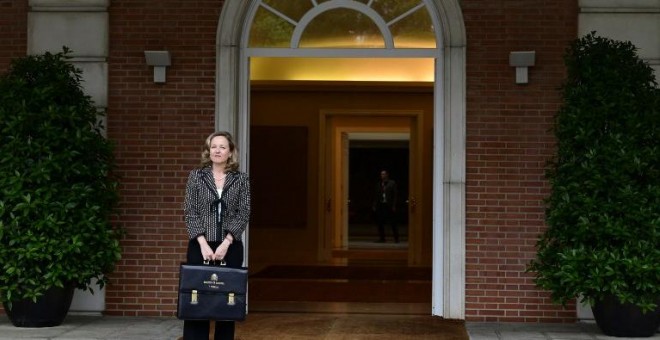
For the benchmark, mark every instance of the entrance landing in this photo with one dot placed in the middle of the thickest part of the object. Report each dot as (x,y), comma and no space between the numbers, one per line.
(342,284)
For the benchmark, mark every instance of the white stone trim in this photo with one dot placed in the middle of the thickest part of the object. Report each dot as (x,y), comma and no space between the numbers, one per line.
(83,26)
(358,6)
(85,33)
(637,21)
(345,52)
(94,80)
(232,93)
(622,6)
(69,6)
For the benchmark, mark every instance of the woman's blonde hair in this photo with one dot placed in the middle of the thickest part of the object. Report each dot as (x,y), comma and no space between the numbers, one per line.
(232,161)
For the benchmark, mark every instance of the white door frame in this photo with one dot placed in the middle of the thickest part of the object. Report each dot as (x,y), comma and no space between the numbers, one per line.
(232,114)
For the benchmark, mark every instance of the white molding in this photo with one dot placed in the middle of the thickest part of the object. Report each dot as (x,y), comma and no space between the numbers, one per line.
(94,80)
(584,312)
(454,184)
(84,301)
(330,5)
(449,163)
(345,52)
(227,66)
(637,21)
(85,33)
(624,6)
(83,26)
(232,100)
(69,5)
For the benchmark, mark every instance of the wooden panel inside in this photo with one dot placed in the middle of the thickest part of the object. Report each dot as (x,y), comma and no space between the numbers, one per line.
(278,173)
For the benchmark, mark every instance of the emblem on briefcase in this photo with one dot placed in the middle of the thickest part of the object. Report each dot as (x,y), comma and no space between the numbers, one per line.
(213,282)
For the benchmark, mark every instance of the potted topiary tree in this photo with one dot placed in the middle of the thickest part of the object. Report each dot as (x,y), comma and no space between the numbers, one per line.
(57,191)
(603,214)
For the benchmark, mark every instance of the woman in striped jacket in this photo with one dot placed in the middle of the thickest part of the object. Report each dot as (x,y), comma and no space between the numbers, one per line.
(217,211)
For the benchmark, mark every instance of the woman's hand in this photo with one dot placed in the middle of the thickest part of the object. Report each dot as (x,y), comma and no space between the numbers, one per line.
(207,252)
(221,251)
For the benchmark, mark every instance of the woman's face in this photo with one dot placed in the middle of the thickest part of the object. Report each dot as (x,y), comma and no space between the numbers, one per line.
(219,150)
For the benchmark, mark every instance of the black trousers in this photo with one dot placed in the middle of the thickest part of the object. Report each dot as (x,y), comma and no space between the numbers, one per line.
(385,215)
(199,329)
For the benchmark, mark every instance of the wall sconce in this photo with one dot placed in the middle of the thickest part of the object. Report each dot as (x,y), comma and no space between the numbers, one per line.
(159,60)
(521,61)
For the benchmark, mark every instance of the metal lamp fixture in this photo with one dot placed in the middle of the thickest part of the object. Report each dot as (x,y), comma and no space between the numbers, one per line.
(159,60)
(521,61)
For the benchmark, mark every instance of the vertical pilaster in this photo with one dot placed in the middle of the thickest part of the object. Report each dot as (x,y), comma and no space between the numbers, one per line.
(637,21)
(83,27)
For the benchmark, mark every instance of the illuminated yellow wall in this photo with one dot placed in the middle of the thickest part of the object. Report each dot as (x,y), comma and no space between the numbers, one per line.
(299,105)
(342,69)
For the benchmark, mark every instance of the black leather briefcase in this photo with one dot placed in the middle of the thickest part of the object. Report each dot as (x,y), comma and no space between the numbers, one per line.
(210,292)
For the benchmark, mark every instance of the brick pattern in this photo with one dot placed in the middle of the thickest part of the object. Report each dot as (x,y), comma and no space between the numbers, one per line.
(158,128)
(13,36)
(508,143)
(13,31)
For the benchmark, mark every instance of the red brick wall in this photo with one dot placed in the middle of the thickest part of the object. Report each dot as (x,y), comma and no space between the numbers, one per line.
(158,129)
(13,31)
(508,144)
(13,36)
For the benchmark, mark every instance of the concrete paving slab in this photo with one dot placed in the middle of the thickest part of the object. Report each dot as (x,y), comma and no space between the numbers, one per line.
(78,327)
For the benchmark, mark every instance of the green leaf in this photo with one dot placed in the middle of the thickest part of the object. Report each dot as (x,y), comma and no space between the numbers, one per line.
(603,211)
(57,186)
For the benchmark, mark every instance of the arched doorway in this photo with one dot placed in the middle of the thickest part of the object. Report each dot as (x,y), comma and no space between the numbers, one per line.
(448,156)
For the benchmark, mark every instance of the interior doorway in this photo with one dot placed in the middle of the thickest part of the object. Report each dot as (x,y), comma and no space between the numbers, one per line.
(369,155)
(445,185)
(355,148)
(303,133)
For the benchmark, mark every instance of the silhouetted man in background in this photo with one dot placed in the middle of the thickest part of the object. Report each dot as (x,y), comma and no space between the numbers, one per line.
(385,206)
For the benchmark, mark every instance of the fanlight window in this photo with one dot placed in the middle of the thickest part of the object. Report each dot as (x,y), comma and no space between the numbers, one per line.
(343,24)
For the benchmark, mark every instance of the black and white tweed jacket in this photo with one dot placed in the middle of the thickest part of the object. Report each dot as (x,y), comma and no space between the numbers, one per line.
(201,205)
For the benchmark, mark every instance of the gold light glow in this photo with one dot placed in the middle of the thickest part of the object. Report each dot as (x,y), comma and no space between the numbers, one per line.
(343,69)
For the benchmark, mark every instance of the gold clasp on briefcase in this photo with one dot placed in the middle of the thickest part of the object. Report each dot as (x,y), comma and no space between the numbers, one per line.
(231,301)
(193,298)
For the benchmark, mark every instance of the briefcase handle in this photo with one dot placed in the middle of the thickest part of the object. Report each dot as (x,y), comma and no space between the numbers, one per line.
(208,262)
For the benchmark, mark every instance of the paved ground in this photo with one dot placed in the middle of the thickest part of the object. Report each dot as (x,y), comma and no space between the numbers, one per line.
(513,331)
(345,327)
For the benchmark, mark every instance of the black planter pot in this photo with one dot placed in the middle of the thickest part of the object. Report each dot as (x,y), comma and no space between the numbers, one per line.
(625,320)
(49,310)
